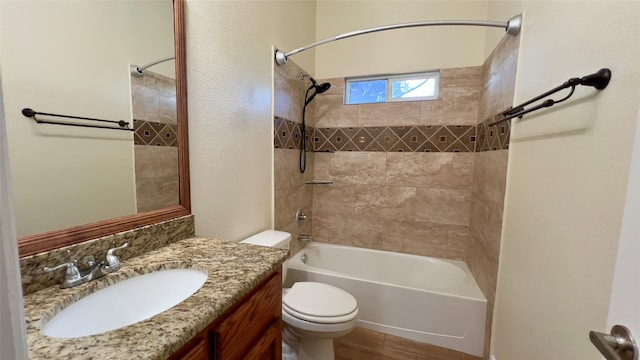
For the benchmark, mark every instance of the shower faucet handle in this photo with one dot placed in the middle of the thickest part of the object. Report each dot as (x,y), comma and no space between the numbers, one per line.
(301,217)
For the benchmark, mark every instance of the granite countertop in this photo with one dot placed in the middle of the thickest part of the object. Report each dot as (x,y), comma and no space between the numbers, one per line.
(233,268)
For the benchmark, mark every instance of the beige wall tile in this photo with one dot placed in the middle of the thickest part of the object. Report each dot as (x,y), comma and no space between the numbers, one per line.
(351,167)
(153,98)
(385,201)
(440,170)
(156,161)
(282,97)
(287,203)
(289,92)
(167,109)
(389,114)
(443,206)
(287,173)
(425,238)
(363,231)
(331,112)
(455,106)
(145,103)
(461,77)
(337,86)
(485,225)
(329,228)
(297,88)
(336,199)
(490,175)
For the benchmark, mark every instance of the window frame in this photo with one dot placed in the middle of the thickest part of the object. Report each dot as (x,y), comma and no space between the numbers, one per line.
(390,78)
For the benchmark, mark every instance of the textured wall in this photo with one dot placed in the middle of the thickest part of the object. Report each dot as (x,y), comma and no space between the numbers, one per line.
(398,51)
(490,172)
(567,178)
(230,84)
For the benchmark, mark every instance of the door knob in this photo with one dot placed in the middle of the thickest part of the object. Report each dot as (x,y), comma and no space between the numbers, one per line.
(619,345)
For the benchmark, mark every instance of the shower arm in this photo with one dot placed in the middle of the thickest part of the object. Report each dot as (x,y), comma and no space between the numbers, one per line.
(137,70)
(512,27)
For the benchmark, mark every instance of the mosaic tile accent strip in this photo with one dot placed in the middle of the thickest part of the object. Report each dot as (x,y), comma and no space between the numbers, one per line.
(494,137)
(448,138)
(443,138)
(288,134)
(154,133)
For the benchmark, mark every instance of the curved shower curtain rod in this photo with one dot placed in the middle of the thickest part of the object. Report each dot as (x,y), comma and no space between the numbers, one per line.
(138,70)
(512,27)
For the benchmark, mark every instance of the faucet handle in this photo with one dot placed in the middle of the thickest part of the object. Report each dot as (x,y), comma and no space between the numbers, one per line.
(113,260)
(72,269)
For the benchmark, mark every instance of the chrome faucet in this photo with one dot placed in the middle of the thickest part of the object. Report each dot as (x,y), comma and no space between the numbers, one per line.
(74,276)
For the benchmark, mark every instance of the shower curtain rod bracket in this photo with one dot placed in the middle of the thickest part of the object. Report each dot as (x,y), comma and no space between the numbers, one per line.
(512,27)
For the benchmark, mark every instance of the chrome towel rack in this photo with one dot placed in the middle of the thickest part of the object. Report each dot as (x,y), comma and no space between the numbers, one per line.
(30,113)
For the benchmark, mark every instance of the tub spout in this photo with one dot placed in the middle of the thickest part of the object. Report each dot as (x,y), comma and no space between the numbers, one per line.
(302,237)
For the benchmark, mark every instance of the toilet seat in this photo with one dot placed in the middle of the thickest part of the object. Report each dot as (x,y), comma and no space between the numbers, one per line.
(319,303)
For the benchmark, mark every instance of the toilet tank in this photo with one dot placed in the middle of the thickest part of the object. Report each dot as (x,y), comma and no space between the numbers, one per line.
(272,238)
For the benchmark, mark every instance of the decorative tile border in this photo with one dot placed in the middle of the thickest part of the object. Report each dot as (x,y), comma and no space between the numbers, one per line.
(445,138)
(288,134)
(396,139)
(494,137)
(154,133)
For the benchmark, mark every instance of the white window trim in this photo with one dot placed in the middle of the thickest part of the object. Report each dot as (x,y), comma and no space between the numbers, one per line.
(390,79)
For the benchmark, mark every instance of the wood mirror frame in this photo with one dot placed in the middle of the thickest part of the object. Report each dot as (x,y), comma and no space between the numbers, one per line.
(32,244)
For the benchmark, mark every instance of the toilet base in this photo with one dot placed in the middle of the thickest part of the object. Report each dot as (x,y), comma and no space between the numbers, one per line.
(315,349)
(306,348)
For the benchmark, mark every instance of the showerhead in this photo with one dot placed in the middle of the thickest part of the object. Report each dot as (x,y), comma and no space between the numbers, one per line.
(318,89)
(322,87)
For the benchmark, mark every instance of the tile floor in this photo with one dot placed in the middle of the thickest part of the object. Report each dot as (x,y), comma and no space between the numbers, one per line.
(371,345)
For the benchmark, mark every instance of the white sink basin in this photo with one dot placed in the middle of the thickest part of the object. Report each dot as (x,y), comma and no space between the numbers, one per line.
(126,302)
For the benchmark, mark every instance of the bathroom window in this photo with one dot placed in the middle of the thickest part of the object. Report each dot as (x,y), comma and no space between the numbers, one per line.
(391,88)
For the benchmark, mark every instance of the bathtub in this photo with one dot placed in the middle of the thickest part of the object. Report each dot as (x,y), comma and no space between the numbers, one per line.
(430,300)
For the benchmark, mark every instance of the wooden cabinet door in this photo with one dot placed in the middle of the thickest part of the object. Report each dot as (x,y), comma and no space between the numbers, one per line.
(269,346)
(197,349)
(245,326)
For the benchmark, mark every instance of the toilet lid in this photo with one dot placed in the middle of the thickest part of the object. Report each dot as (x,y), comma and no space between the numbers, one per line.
(319,300)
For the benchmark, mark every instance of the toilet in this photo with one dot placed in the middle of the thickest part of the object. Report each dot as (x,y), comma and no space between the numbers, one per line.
(313,313)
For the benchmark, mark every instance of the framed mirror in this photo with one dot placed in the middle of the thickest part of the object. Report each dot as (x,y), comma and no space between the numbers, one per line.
(73,184)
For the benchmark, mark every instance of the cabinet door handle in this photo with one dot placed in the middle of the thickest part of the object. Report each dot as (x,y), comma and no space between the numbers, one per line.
(619,345)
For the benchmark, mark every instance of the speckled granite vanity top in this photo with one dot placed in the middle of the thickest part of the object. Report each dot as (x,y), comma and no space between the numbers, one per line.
(233,268)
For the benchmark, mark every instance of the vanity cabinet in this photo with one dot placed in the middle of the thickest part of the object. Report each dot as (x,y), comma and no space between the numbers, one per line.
(250,329)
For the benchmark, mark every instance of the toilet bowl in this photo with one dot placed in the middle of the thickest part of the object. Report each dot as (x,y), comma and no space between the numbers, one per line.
(313,313)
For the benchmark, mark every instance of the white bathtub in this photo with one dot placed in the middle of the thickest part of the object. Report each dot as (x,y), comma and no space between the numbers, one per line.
(430,300)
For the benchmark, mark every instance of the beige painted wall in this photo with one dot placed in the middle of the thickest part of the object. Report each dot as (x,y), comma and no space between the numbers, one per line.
(404,50)
(567,178)
(72,57)
(230,82)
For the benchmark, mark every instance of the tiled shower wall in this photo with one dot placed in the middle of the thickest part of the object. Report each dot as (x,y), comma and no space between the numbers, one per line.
(490,171)
(155,139)
(406,186)
(291,193)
